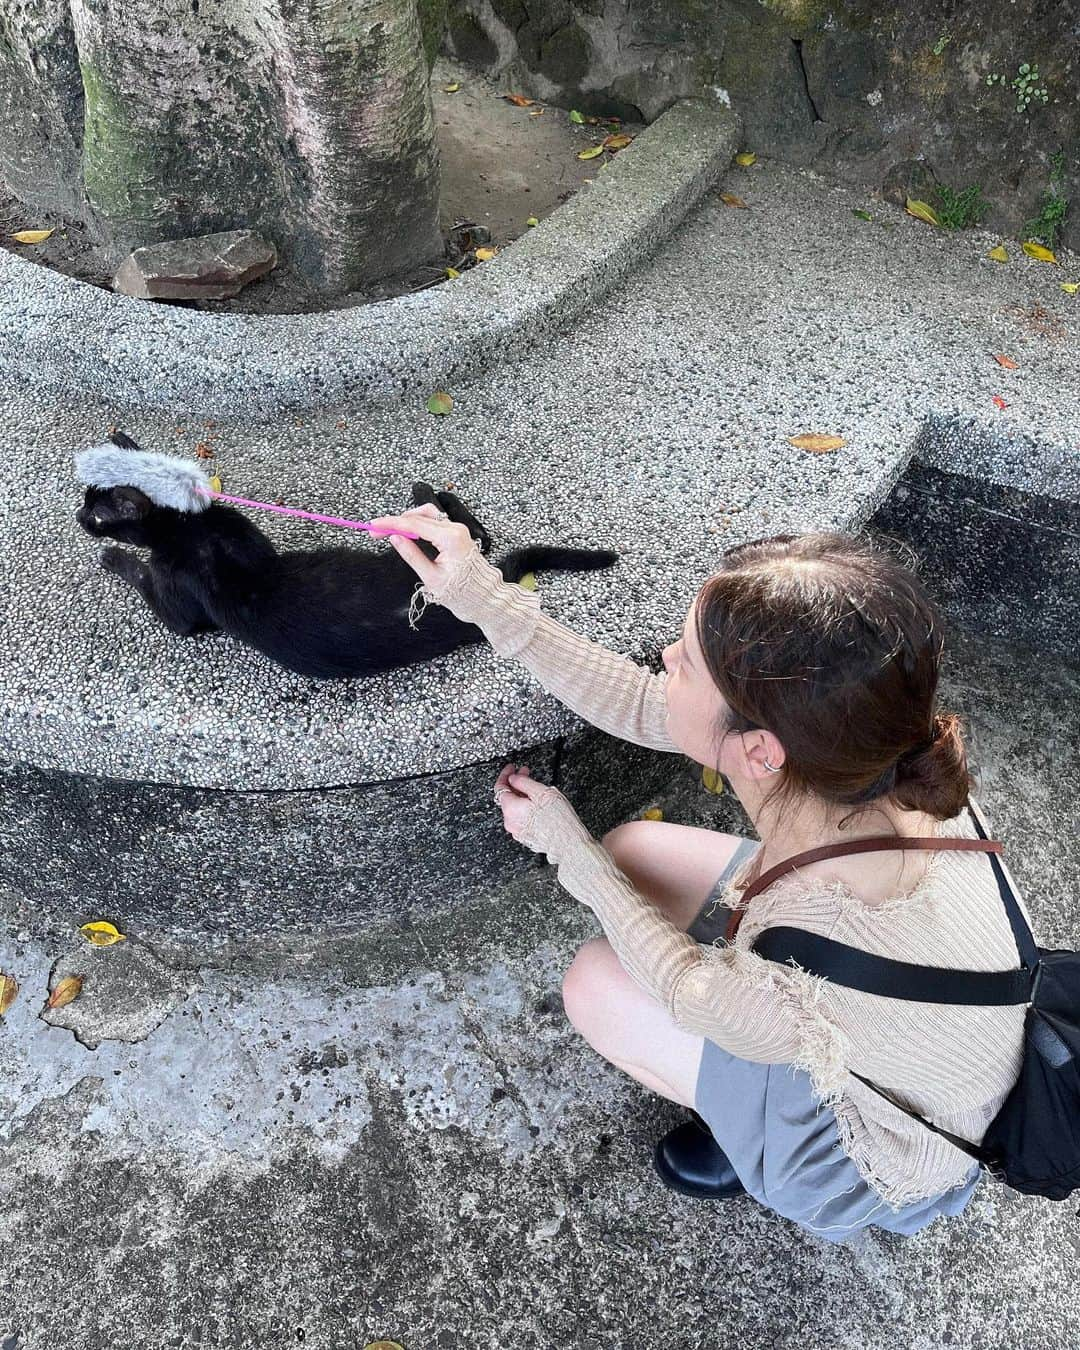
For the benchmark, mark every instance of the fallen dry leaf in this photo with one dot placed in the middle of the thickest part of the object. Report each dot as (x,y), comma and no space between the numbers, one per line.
(1034,250)
(730,199)
(383,1345)
(485,254)
(712,781)
(203,451)
(532,221)
(31,236)
(921,211)
(619,142)
(440,404)
(451,88)
(8,991)
(576,118)
(1070,287)
(65,992)
(519,100)
(215,483)
(591,153)
(1007,362)
(653,813)
(528,582)
(746,158)
(999,402)
(101,934)
(815,443)
(998,254)
(452,273)
(537,112)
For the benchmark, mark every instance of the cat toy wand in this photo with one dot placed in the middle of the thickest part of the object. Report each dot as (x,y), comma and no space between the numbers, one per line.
(182,485)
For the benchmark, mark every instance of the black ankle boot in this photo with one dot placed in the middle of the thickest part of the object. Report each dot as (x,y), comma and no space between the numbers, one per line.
(689,1160)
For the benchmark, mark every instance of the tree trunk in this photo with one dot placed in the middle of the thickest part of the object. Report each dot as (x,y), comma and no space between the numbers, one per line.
(307,120)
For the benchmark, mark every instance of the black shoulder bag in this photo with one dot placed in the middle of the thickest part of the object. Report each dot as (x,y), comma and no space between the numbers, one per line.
(1033,1144)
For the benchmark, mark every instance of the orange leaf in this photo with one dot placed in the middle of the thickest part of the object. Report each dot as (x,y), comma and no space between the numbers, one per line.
(816,444)
(730,199)
(203,451)
(1007,362)
(519,100)
(999,402)
(65,992)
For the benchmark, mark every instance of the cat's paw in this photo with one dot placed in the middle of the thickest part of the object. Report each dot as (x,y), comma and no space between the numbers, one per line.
(120,562)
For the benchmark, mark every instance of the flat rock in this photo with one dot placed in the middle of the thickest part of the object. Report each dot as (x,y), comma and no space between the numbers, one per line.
(207,267)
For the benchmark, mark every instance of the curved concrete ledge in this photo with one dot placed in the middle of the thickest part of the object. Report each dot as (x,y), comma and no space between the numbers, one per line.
(80,340)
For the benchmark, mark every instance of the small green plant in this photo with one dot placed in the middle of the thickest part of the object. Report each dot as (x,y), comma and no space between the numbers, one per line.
(1048,224)
(961,210)
(1026,86)
(942,42)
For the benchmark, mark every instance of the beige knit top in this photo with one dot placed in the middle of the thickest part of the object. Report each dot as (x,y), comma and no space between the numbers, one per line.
(955,1065)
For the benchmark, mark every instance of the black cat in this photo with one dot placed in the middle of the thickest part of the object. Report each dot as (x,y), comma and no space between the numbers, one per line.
(328,614)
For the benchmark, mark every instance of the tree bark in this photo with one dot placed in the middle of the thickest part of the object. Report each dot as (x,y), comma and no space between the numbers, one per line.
(307,120)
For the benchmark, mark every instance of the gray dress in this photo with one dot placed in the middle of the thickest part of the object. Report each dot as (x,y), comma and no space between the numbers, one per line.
(783,1143)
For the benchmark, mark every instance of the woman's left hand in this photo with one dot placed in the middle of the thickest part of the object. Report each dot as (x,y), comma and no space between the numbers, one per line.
(518,796)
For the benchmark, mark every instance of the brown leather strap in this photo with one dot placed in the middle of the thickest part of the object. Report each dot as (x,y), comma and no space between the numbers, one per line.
(876,844)
(882,843)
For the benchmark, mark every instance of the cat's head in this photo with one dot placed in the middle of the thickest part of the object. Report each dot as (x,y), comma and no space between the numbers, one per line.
(116,513)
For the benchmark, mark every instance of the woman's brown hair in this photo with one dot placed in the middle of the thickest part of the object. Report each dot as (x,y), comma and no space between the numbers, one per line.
(834,646)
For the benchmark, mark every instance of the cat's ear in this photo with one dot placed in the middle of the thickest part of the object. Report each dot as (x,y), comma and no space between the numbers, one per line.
(129,504)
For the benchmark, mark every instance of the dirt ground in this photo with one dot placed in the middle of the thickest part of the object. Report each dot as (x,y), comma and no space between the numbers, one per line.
(501,165)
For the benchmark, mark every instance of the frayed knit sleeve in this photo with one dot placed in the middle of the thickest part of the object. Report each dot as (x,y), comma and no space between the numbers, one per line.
(607,690)
(718,992)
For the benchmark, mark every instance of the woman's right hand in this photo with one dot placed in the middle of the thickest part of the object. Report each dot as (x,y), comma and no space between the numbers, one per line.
(453,542)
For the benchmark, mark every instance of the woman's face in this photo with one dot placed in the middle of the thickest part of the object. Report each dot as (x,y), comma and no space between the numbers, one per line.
(697,709)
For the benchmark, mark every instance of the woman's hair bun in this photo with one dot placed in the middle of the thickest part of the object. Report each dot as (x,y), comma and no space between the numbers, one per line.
(936,779)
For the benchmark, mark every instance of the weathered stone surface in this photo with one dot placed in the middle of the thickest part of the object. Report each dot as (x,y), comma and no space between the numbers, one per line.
(860,86)
(311,124)
(209,267)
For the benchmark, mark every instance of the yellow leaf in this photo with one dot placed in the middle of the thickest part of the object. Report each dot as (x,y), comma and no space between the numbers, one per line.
(653,813)
(591,153)
(440,404)
(101,934)
(816,444)
(451,88)
(215,483)
(452,273)
(712,781)
(528,582)
(730,199)
(485,254)
(921,211)
(998,254)
(746,159)
(1034,250)
(532,221)
(31,236)
(1070,287)
(619,142)
(519,100)
(65,992)
(8,991)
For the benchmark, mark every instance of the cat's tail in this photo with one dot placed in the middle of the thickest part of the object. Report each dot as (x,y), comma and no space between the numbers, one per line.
(541,557)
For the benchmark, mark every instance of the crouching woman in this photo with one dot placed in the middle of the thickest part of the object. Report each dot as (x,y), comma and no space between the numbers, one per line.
(807,674)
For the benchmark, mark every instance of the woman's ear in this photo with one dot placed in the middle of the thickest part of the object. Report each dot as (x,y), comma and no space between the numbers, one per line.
(762,752)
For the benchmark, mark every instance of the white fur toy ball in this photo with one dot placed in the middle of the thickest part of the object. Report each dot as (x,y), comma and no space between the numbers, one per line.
(118,462)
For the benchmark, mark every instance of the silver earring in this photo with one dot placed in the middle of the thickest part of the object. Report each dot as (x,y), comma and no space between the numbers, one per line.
(773,768)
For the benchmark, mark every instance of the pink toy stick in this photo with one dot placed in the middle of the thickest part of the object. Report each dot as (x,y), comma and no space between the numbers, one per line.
(376,530)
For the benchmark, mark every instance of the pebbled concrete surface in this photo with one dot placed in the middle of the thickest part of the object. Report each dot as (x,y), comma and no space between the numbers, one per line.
(657,426)
(403,1138)
(85,342)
